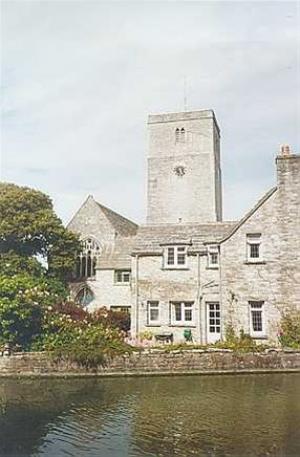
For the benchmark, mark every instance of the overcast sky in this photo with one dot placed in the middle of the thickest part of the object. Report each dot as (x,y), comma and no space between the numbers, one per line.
(79,79)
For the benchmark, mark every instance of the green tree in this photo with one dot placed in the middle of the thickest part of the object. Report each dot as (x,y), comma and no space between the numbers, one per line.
(23,301)
(30,230)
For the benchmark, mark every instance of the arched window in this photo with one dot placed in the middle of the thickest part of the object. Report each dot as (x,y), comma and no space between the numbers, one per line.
(87,260)
(180,135)
(85,296)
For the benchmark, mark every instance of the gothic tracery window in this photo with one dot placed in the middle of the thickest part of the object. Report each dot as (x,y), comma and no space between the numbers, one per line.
(85,296)
(87,260)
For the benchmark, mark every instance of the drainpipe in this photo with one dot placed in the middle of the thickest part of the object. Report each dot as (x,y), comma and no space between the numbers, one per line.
(137,295)
(199,295)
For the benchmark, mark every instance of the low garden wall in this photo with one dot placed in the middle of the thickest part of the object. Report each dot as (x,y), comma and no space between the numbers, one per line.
(155,362)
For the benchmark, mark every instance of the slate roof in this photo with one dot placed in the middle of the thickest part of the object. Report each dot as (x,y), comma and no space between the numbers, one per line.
(117,255)
(260,202)
(123,226)
(151,238)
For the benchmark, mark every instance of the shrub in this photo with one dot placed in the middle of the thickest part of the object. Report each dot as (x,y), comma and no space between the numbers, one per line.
(111,318)
(86,344)
(289,333)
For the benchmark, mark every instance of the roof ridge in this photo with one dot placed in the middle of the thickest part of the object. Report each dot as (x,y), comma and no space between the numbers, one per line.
(114,213)
(260,202)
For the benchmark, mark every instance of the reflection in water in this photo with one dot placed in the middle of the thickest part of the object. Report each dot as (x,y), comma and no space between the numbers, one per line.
(257,415)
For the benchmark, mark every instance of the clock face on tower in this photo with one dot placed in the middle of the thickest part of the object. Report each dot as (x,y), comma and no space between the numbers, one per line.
(179,170)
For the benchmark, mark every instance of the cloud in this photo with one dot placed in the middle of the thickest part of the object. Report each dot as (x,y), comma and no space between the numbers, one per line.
(79,79)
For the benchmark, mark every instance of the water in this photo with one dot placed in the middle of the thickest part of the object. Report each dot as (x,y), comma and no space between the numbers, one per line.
(215,416)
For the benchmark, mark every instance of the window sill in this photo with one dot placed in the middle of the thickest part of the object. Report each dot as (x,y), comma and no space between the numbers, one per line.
(122,284)
(153,325)
(210,267)
(180,324)
(175,268)
(259,337)
(255,262)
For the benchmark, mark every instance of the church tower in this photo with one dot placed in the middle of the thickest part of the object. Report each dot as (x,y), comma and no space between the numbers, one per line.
(184,173)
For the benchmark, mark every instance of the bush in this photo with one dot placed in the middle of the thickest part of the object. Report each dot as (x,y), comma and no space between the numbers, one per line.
(289,333)
(70,333)
(22,301)
(242,343)
(111,318)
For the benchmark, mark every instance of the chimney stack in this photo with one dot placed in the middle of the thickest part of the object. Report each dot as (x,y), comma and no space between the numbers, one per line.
(285,150)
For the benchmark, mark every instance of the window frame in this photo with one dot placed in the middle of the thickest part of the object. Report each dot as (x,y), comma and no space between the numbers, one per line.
(153,305)
(123,272)
(185,306)
(212,250)
(254,239)
(179,251)
(257,306)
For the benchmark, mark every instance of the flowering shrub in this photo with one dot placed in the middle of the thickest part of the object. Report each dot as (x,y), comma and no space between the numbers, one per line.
(22,298)
(111,318)
(70,333)
(289,332)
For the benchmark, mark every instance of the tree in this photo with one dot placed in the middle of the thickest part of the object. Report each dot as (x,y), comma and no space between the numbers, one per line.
(30,230)
(23,301)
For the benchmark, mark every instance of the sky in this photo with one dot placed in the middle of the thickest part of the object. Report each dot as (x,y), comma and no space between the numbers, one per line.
(79,78)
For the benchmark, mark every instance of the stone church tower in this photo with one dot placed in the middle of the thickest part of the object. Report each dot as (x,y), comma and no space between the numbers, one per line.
(184,173)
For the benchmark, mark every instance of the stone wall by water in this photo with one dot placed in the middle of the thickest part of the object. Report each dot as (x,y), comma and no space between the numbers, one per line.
(155,362)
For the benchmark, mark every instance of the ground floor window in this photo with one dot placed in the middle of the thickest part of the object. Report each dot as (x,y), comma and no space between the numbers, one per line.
(182,313)
(153,312)
(257,318)
(85,296)
(123,309)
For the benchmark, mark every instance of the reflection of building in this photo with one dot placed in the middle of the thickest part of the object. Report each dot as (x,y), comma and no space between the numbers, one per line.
(186,269)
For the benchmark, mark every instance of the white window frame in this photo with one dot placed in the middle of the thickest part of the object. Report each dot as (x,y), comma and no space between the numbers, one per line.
(153,305)
(257,305)
(123,273)
(213,250)
(178,250)
(184,306)
(252,239)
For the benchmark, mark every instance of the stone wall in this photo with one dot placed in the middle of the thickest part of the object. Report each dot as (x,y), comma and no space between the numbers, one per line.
(156,362)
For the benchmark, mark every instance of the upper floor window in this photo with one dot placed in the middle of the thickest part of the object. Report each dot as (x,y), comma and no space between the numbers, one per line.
(213,256)
(254,247)
(87,260)
(175,257)
(122,276)
(257,321)
(180,135)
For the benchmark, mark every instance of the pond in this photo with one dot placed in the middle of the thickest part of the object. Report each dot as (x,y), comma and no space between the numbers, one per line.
(242,415)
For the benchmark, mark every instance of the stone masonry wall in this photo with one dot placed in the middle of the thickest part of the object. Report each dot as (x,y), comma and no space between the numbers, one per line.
(189,197)
(243,281)
(154,362)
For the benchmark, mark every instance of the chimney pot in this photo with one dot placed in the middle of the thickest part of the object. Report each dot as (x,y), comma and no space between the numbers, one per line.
(285,150)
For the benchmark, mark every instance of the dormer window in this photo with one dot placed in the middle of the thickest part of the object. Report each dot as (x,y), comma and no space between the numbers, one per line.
(175,257)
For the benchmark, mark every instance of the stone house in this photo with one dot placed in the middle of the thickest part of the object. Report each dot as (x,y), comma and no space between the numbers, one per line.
(187,274)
